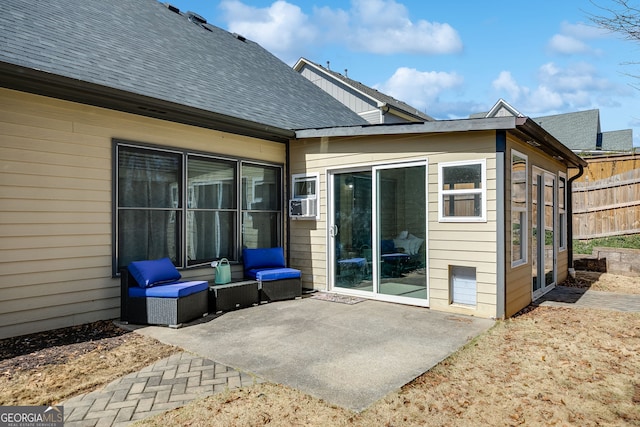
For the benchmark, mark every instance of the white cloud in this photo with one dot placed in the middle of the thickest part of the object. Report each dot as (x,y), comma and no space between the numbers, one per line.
(280,28)
(583,31)
(379,13)
(573,37)
(557,89)
(580,76)
(375,26)
(420,89)
(567,45)
(384,27)
(505,83)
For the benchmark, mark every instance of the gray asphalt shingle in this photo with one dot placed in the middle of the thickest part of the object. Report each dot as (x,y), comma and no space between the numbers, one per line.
(578,131)
(142,47)
(617,140)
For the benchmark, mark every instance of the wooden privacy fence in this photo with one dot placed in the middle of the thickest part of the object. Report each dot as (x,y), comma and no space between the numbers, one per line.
(607,207)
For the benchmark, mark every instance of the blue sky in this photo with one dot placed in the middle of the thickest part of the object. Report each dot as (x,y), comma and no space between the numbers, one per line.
(451,59)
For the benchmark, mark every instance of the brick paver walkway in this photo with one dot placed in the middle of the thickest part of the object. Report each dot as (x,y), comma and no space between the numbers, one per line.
(564,296)
(167,384)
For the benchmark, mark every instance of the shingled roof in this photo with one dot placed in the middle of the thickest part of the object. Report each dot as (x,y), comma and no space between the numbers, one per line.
(374,94)
(167,63)
(580,130)
(577,130)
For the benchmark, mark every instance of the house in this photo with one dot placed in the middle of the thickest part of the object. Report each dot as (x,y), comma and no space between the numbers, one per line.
(156,134)
(580,130)
(372,105)
(464,216)
(132,130)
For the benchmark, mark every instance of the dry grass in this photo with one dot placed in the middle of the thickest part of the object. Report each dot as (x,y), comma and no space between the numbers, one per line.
(55,374)
(605,282)
(547,366)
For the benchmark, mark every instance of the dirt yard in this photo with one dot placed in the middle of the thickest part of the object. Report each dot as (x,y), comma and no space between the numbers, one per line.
(546,366)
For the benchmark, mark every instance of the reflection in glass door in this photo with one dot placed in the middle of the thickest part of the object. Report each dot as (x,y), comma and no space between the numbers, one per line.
(351,230)
(378,232)
(543,234)
(401,226)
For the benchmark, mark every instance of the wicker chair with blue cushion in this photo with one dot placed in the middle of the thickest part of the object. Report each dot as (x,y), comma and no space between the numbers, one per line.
(151,293)
(275,280)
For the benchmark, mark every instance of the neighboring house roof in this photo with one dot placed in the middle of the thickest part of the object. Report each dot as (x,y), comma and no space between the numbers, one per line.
(617,140)
(500,109)
(580,131)
(170,64)
(385,103)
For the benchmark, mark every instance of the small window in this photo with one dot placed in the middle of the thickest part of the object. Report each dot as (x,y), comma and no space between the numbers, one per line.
(305,186)
(519,208)
(305,189)
(462,191)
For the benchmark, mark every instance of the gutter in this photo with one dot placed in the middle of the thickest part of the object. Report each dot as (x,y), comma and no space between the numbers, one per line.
(386,107)
(534,134)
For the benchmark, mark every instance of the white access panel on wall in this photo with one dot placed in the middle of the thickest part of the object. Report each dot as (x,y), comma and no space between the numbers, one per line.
(463,285)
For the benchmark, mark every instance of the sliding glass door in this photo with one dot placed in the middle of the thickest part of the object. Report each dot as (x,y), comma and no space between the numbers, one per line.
(378,232)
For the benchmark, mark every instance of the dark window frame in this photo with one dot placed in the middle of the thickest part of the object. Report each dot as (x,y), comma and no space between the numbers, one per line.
(182,262)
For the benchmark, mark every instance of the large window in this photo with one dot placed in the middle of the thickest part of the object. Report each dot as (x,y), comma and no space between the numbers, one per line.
(462,191)
(190,207)
(519,208)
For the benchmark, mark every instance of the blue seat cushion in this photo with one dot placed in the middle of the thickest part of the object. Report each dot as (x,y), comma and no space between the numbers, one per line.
(263,258)
(169,290)
(270,274)
(353,262)
(395,257)
(154,272)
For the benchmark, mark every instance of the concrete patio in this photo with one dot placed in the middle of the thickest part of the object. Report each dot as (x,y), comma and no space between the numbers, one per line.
(350,355)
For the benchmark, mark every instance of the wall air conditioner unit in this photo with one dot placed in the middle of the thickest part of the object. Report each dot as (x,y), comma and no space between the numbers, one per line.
(302,208)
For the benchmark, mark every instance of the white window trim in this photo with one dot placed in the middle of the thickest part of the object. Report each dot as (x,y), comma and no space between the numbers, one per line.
(524,234)
(482,191)
(562,214)
(312,176)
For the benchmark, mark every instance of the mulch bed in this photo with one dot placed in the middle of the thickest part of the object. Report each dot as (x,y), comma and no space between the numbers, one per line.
(59,345)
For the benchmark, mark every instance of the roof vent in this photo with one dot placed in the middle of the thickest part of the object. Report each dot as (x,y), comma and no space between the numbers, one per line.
(240,37)
(197,19)
(172,8)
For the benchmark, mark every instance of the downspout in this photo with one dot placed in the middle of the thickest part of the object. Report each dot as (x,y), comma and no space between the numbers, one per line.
(501,254)
(570,215)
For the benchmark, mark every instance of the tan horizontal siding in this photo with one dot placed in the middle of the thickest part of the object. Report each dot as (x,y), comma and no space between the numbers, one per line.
(56,204)
(444,239)
(519,278)
(519,288)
